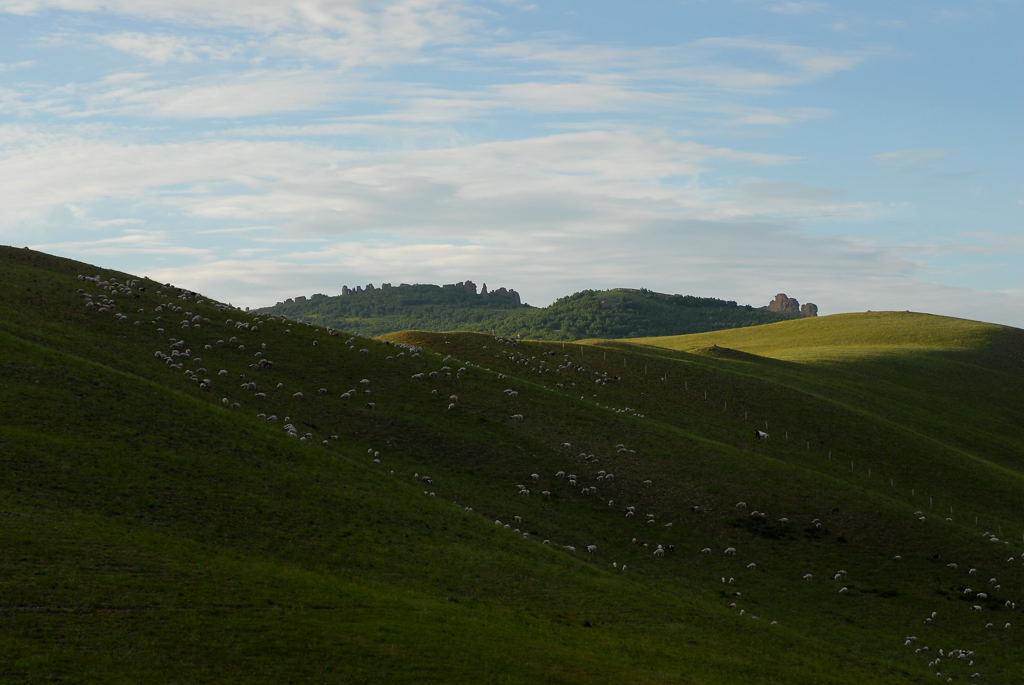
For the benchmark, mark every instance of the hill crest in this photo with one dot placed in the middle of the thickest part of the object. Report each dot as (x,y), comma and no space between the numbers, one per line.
(617,312)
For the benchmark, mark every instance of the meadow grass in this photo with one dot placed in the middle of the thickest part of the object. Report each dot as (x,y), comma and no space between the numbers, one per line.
(152,531)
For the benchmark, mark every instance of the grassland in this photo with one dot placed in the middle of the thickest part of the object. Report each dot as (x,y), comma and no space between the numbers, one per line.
(852,337)
(158,527)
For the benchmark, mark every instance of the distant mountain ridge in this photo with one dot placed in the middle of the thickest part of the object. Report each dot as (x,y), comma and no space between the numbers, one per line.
(614,313)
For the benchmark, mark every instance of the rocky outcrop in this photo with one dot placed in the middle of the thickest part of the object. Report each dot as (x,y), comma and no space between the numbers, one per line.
(790,305)
(506,295)
(784,304)
(465,286)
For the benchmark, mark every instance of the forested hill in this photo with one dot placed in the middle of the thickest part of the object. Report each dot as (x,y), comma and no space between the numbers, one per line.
(616,313)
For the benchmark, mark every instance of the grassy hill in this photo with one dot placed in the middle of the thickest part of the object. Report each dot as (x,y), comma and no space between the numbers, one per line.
(615,313)
(159,521)
(849,337)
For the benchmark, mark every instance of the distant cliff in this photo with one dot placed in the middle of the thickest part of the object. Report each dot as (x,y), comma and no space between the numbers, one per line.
(500,296)
(616,313)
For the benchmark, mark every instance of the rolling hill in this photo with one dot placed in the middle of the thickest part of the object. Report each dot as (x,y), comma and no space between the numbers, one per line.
(615,313)
(191,493)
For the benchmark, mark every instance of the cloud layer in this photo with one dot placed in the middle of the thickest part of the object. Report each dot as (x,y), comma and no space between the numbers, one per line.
(260,150)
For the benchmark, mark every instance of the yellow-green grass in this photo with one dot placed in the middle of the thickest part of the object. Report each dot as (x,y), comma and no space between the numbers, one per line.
(842,337)
(949,379)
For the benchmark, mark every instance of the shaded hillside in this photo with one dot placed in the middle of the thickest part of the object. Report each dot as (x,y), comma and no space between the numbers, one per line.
(191,493)
(617,313)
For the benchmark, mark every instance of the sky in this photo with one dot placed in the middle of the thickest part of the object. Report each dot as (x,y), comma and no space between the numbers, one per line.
(858,154)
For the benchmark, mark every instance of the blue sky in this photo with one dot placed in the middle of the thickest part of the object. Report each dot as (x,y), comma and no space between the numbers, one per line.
(859,155)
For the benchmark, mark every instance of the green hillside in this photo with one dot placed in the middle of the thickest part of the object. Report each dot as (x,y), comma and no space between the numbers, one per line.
(161,521)
(616,313)
(848,337)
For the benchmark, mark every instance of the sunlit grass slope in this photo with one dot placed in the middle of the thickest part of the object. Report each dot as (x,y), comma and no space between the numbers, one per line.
(844,336)
(428,517)
(948,379)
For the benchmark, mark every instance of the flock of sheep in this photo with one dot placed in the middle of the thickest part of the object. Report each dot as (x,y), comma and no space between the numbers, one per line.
(245,379)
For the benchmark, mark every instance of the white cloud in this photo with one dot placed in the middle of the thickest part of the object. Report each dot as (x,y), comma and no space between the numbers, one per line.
(809,63)
(239,230)
(134,242)
(762,116)
(339,32)
(572,97)
(229,95)
(549,185)
(950,15)
(792,200)
(796,7)
(745,261)
(706,62)
(554,184)
(394,133)
(49,171)
(910,156)
(116,222)
(165,48)
(257,15)
(15,66)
